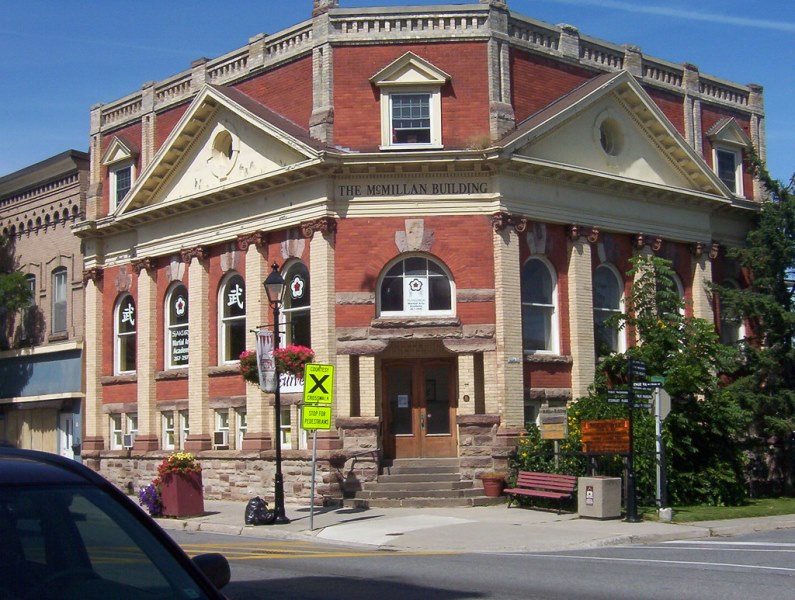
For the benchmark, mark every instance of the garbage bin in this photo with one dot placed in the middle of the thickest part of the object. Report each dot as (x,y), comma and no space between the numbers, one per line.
(599,497)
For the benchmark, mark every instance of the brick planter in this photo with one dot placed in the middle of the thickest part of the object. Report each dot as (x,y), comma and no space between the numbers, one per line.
(182,495)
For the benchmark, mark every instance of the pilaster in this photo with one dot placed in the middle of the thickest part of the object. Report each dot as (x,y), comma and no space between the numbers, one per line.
(580,278)
(342,387)
(691,105)
(146,355)
(321,122)
(703,255)
(368,383)
(259,414)
(466,384)
(199,416)
(94,423)
(324,294)
(148,124)
(569,44)
(501,115)
(509,356)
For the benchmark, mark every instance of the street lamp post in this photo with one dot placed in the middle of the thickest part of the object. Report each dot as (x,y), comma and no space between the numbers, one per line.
(274,287)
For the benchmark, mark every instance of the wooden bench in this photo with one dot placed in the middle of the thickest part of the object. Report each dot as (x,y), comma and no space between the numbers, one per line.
(542,485)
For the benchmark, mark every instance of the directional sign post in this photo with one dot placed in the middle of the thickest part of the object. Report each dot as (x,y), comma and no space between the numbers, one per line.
(316,414)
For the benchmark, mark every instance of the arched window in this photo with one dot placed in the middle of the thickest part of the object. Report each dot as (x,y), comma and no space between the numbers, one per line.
(296,308)
(416,286)
(732,330)
(607,293)
(232,318)
(59,300)
(539,321)
(177,350)
(124,335)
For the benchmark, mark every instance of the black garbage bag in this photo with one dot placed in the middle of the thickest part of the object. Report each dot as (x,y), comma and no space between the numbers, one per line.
(257,512)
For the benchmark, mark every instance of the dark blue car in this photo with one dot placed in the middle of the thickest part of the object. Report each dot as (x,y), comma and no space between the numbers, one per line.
(67,533)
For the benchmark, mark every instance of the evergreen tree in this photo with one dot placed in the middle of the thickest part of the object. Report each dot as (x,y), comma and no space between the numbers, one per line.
(766,385)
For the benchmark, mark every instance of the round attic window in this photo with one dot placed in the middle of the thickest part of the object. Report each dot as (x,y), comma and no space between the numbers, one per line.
(610,137)
(224,154)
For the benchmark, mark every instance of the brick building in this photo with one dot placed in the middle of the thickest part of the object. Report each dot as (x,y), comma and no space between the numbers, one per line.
(452,192)
(41,349)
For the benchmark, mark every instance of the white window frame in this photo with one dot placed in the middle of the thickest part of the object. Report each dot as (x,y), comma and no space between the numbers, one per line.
(608,311)
(426,311)
(169,433)
(169,326)
(131,423)
(115,431)
(59,297)
(737,189)
(435,116)
(184,427)
(221,418)
(553,342)
(120,337)
(113,175)
(680,290)
(738,329)
(286,427)
(227,356)
(241,416)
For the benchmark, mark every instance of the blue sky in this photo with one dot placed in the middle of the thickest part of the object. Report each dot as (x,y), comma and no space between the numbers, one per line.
(61,57)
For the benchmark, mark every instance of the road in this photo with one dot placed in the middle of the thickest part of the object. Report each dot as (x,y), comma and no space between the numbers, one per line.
(738,568)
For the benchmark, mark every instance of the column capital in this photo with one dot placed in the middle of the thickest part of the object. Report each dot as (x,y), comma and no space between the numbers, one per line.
(95,274)
(697,249)
(257,238)
(323,225)
(143,264)
(503,220)
(199,252)
(577,231)
(641,240)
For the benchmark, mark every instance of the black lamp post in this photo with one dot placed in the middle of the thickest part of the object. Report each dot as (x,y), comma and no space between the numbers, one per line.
(274,287)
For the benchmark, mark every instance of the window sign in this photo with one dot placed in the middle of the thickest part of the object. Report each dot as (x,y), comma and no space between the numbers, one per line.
(235,299)
(416,294)
(179,331)
(297,287)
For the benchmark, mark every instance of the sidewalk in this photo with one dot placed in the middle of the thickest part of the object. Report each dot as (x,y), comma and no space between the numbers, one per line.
(470,529)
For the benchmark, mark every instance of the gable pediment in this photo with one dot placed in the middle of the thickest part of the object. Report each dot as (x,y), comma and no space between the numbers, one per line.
(119,150)
(610,128)
(224,142)
(410,70)
(728,131)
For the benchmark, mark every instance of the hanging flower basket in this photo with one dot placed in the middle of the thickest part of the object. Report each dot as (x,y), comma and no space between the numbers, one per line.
(291,359)
(248,366)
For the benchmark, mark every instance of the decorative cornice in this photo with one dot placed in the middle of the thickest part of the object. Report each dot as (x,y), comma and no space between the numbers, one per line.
(199,252)
(94,274)
(258,238)
(578,231)
(323,225)
(654,242)
(697,249)
(143,264)
(501,220)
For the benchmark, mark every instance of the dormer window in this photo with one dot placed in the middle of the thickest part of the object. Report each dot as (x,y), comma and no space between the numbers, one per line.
(411,104)
(119,158)
(729,141)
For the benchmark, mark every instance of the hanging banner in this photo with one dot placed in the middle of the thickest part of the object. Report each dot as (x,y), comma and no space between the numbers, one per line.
(265,365)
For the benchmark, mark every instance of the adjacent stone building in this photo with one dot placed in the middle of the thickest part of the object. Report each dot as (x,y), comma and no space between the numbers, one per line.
(41,349)
(452,194)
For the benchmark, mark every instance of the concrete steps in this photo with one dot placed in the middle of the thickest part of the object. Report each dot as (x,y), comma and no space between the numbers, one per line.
(420,483)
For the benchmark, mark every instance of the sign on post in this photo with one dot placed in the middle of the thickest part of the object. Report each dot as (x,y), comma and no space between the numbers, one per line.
(318,383)
(554,422)
(315,417)
(606,436)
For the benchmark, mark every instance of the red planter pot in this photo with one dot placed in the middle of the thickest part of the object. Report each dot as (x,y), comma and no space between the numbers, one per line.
(182,495)
(492,486)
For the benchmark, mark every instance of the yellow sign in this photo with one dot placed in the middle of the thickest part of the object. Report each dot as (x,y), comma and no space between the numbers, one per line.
(316,417)
(318,383)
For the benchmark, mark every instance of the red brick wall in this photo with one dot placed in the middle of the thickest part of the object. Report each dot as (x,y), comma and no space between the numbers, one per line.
(537,81)
(365,246)
(292,100)
(672,105)
(465,100)
(166,121)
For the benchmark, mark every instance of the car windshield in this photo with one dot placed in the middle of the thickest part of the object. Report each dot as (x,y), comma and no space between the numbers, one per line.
(79,542)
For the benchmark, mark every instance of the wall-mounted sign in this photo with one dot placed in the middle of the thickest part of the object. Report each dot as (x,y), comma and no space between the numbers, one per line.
(357,189)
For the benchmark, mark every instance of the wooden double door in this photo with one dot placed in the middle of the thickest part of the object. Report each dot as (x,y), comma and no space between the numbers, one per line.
(420,405)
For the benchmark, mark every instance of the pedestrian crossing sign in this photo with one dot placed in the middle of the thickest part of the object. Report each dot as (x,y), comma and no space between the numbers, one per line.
(318,384)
